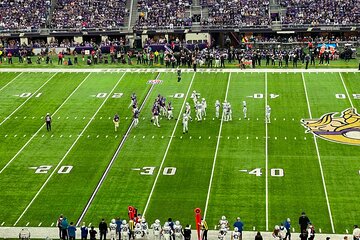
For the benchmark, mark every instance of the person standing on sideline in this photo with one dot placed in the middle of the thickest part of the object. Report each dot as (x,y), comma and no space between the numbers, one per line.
(287,225)
(103,229)
(307,60)
(59,225)
(303,222)
(92,233)
(64,228)
(204,228)
(178,74)
(239,225)
(116,121)
(187,232)
(48,121)
(258,236)
(112,228)
(84,232)
(24,234)
(72,231)
(356,232)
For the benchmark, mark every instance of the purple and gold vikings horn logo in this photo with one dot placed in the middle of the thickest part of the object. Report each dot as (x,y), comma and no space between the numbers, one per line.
(344,129)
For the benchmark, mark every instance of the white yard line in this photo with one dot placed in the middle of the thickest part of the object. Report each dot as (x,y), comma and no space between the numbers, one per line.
(319,159)
(199,70)
(346,90)
(11,81)
(266,160)
(168,146)
(28,99)
(68,151)
(107,170)
(34,135)
(216,152)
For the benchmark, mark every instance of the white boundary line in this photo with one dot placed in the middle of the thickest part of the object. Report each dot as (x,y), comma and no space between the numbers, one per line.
(266,160)
(33,94)
(107,170)
(168,146)
(319,158)
(68,151)
(149,70)
(11,81)
(346,90)
(216,151)
(34,135)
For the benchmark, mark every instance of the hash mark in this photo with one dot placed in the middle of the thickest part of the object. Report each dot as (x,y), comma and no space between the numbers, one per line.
(143,136)
(39,224)
(2,224)
(27,224)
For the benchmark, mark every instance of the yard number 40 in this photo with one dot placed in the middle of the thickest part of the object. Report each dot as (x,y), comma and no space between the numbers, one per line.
(274,172)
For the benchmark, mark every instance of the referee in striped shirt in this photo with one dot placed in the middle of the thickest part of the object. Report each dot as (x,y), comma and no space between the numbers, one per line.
(204,228)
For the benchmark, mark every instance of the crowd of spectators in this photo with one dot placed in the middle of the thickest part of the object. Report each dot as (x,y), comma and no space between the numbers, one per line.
(328,12)
(239,13)
(80,14)
(24,14)
(166,14)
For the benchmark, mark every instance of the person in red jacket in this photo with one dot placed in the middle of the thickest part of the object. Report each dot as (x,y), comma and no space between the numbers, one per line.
(60,58)
(9,56)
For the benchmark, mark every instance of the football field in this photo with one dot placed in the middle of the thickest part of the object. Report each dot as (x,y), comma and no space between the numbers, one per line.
(263,172)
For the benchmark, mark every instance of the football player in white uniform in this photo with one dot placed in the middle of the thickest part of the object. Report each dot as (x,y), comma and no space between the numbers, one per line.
(166,232)
(124,230)
(224,223)
(185,123)
(217,108)
(229,115)
(144,227)
(188,110)
(156,227)
(236,235)
(203,107)
(178,231)
(169,111)
(138,233)
(267,113)
(225,111)
(245,111)
(198,111)
(222,234)
(112,228)
(194,97)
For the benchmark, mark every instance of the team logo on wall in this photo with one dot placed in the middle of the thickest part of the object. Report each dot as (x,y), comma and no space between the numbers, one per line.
(343,129)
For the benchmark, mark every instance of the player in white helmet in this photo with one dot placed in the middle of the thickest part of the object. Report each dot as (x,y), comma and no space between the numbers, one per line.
(124,230)
(188,110)
(144,227)
(138,233)
(224,223)
(225,110)
(222,234)
(267,113)
(198,111)
(203,107)
(166,232)
(236,235)
(170,111)
(194,97)
(112,229)
(217,108)
(178,230)
(229,115)
(185,123)
(245,111)
(156,227)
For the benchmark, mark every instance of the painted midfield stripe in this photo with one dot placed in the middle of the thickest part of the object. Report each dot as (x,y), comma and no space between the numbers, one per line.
(86,208)
(168,146)
(28,99)
(67,153)
(11,81)
(319,158)
(216,150)
(266,160)
(27,143)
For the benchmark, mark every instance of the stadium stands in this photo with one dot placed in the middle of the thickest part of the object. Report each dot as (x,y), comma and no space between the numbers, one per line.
(237,13)
(299,12)
(24,14)
(89,14)
(163,14)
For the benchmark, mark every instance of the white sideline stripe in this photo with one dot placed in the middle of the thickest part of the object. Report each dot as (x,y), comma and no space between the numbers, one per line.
(113,159)
(28,99)
(34,135)
(167,148)
(346,90)
(266,161)
(67,152)
(163,70)
(319,159)
(11,81)
(216,151)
